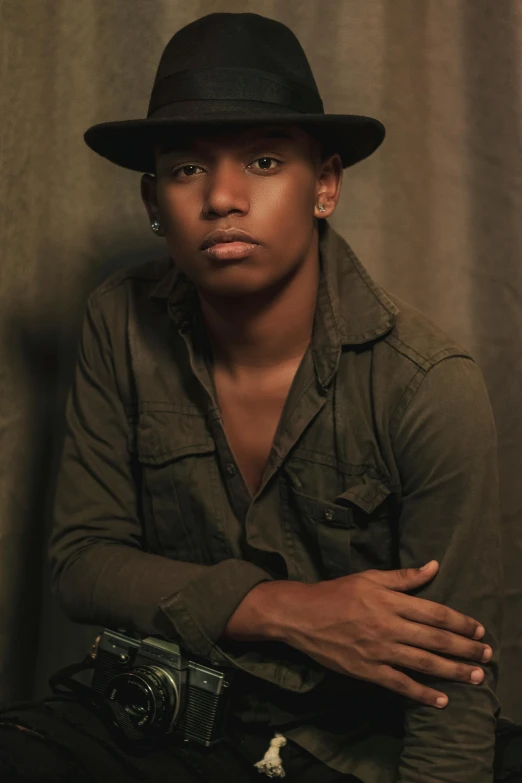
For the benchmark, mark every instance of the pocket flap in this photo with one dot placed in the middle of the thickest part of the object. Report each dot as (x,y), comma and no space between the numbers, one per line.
(161,436)
(367,495)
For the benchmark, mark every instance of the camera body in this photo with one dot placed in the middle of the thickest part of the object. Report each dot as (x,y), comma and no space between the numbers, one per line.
(162,691)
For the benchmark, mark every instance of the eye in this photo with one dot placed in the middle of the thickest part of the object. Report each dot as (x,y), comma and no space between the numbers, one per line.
(175,172)
(188,169)
(267,158)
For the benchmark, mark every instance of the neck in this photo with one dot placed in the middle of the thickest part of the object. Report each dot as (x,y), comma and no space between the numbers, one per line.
(265,330)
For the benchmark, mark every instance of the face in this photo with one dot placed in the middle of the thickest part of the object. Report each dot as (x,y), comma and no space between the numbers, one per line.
(266,181)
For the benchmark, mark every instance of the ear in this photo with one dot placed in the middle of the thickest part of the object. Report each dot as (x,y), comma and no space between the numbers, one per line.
(329,182)
(149,196)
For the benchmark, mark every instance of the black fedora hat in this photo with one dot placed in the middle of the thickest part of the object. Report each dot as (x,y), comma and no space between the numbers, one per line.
(233,69)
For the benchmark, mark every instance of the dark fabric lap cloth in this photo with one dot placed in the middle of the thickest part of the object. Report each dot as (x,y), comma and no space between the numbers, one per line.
(66,741)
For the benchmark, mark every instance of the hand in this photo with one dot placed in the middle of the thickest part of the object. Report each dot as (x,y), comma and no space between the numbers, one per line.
(364,626)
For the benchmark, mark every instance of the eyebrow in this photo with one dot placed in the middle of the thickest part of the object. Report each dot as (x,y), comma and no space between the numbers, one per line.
(186,145)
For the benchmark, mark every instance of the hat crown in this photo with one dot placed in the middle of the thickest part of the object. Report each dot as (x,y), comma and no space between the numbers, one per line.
(246,41)
(232,70)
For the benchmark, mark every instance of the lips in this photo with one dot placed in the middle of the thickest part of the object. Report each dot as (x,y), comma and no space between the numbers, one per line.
(230,251)
(223,236)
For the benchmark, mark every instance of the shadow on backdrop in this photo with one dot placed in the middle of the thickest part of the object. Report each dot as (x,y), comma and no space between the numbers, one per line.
(46,348)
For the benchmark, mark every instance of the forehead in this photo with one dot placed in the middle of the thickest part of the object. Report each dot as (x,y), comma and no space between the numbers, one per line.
(186,140)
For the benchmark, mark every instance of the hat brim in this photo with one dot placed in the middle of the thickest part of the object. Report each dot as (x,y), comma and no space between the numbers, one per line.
(130,143)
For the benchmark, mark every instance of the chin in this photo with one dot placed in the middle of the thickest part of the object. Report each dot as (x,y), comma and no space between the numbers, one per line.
(236,282)
(233,289)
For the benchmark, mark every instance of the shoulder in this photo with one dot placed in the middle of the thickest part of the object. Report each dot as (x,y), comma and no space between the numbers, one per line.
(433,378)
(134,280)
(416,341)
(417,360)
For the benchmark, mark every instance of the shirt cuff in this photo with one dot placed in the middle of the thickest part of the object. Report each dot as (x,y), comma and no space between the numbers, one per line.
(200,611)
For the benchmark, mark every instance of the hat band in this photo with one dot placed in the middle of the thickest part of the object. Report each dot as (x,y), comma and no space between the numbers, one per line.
(246,84)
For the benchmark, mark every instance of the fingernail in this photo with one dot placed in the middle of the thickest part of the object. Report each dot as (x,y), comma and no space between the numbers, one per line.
(427,565)
(487,654)
(477,675)
(441,701)
(479,633)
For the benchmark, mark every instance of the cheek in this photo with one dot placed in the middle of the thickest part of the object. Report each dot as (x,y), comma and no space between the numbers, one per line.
(180,206)
(283,207)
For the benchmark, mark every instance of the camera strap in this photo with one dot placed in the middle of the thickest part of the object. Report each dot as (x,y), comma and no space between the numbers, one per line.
(108,709)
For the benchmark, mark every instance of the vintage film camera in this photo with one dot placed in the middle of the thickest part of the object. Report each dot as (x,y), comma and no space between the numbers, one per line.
(158,690)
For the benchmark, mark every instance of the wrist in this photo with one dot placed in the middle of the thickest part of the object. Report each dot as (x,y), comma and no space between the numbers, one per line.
(265,613)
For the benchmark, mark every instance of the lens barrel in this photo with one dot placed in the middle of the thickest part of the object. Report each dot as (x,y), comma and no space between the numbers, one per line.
(150,697)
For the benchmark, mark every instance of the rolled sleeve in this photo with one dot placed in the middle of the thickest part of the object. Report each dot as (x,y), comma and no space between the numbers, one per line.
(445,447)
(100,571)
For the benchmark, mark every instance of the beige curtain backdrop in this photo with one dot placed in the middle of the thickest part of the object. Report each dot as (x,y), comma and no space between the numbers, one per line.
(434,214)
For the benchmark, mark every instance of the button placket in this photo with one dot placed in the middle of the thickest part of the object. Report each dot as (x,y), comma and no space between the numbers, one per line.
(231,469)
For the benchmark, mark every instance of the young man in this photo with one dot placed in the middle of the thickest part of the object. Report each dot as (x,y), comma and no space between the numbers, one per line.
(264,447)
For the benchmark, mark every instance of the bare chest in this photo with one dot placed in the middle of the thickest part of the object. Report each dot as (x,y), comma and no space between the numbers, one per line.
(251,413)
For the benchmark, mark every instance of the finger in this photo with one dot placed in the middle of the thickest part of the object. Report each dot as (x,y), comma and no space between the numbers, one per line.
(400,683)
(428,663)
(420,610)
(426,637)
(403,579)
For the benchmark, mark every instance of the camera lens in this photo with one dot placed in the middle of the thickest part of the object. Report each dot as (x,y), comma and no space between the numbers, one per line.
(149,696)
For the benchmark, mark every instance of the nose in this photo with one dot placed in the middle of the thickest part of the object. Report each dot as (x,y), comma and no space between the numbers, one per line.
(226,189)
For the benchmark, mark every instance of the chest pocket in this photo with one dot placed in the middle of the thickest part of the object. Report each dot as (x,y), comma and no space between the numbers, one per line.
(353,532)
(180,485)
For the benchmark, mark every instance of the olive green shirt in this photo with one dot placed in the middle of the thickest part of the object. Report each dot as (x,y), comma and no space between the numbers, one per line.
(384,457)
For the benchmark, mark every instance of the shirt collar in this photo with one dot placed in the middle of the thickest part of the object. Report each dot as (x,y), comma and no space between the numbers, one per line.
(361,310)
(351,308)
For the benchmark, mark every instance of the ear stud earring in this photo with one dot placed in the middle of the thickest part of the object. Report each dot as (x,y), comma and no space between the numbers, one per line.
(321,208)
(155,226)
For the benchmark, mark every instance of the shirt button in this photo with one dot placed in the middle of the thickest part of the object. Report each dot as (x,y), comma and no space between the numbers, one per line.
(231,469)
(328,514)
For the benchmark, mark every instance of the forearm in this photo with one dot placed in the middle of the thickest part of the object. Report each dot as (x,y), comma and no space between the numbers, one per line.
(120,586)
